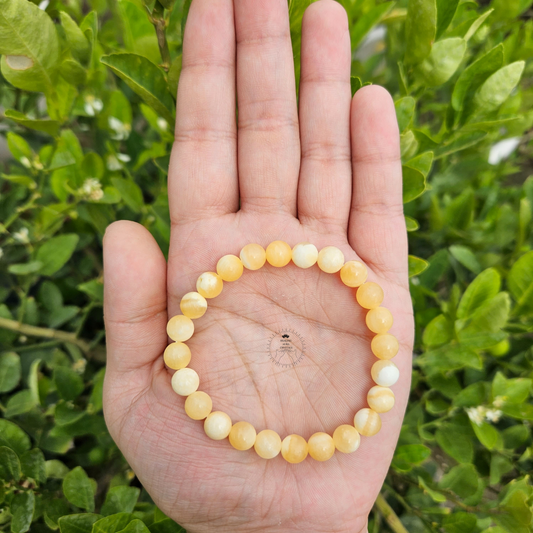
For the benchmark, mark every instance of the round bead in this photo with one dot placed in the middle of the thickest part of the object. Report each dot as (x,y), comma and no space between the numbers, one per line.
(209,284)
(304,255)
(380,399)
(321,446)
(330,259)
(230,268)
(353,273)
(193,305)
(385,373)
(242,436)
(367,422)
(294,449)
(185,381)
(278,253)
(177,355)
(253,256)
(267,444)
(180,328)
(198,405)
(369,295)
(379,320)
(217,425)
(346,438)
(385,346)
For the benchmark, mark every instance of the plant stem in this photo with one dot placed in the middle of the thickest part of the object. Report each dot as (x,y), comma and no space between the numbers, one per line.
(159,22)
(389,515)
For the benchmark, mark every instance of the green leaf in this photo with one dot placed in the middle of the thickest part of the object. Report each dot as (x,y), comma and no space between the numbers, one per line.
(22,509)
(414,183)
(29,42)
(23,269)
(433,494)
(490,317)
(78,489)
(79,45)
(519,411)
(174,75)
(73,72)
(78,523)
(136,526)
(46,125)
(459,214)
(486,433)
(55,253)
(461,142)
(462,254)
(483,288)
(520,282)
(416,265)
(460,522)
(445,12)
(166,526)
(120,499)
(114,523)
(20,403)
(69,384)
(405,110)
(455,442)
(9,371)
(409,455)
(443,61)
(471,396)
(55,469)
(367,21)
(411,224)
(421,162)
(438,331)
(355,84)
(145,79)
(461,479)
(499,466)
(13,437)
(514,390)
(33,466)
(421,29)
(9,465)
(476,25)
(131,193)
(20,148)
(94,289)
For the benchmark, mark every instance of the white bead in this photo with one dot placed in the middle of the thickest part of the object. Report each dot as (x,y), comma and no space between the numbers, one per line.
(385,373)
(304,255)
(217,425)
(330,259)
(185,381)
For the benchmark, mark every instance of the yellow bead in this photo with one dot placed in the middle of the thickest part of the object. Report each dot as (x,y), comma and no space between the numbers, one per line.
(193,305)
(180,328)
(253,256)
(321,446)
(380,399)
(217,425)
(304,255)
(369,295)
(385,373)
(230,268)
(330,259)
(379,320)
(294,449)
(353,273)
(385,346)
(278,253)
(367,422)
(185,381)
(346,438)
(267,444)
(177,355)
(242,436)
(209,284)
(198,405)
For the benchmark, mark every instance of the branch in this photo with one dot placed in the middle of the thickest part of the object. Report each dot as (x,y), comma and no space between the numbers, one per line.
(159,22)
(389,515)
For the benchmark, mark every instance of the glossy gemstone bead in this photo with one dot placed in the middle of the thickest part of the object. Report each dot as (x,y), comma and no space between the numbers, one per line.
(346,438)
(369,295)
(330,259)
(193,305)
(177,355)
(321,446)
(185,381)
(304,255)
(385,346)
(267,444)
(379,320)
(380,399)
(242,436)
(294,449)
(180,328)
(367,422)
(230,268)
(278,253)
(209,284)
(198,405)
(353,273)
(217,425)
(385,373)
(253,256)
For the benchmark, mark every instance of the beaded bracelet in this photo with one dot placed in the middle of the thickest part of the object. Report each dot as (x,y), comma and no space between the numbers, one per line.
(267,443)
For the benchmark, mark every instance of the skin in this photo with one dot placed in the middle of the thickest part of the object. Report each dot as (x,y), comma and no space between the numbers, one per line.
(328,172)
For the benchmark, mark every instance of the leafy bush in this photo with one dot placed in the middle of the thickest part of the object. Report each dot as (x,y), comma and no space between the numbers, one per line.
(88,104)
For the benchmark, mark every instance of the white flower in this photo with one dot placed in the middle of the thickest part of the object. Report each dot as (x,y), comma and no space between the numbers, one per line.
(44,4)
(493,415)
(92,105)
(476,414)
(162,124)
(113,163)
(503,149)
(22,235)
(121,131)
(124,157)
(91,189)
(25,161)
(499,401)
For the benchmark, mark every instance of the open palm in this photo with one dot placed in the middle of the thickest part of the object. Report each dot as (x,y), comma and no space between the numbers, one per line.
(328,173)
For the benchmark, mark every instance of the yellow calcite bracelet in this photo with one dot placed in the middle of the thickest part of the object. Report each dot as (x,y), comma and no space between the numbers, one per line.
(267,443)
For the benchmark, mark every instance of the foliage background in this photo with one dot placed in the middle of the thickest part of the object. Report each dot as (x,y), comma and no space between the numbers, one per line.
(87,100)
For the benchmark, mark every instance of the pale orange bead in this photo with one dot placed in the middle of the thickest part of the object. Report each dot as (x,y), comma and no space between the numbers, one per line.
(385,346)
(230,268)
(267,444)
(294,449)
(321,446)
(185,381)
(369,295)
(209,284)
(198,405)
(253,256)
(278,253)
(304,255)
(380,399)
(367,422)
(180,328)
(217,425)
(330,259)
(193,305)
(385,373)
(177,355)
(346,438)
(242,436)
(353,273)
(379,320)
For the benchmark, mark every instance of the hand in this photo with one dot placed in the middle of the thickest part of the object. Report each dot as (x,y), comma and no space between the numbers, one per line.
(329,174)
